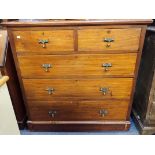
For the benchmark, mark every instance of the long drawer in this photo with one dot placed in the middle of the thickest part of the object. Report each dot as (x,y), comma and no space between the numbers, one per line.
(108,39)
(55,41)
(81,110)
(45,89)
(77,65)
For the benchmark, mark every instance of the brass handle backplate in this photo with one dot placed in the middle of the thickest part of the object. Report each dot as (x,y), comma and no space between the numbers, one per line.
(105,91)
(108,41)
(103,112)
(52,113)
(106,66)
(43,42)
(50,90)
(46,67)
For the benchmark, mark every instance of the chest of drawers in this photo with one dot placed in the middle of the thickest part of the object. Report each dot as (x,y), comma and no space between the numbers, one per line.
(77,75)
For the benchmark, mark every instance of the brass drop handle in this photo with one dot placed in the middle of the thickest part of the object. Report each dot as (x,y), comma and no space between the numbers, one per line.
(106,66)
(105,91)
(50,90)
(52,113)
(43,42)
(46,67)
(103,112)
(108,41)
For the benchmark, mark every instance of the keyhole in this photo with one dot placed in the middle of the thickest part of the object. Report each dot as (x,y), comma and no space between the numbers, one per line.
(108,31)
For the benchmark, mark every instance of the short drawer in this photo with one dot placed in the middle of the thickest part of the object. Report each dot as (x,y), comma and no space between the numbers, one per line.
(51,89)
(108,39)
(80,65)
(55,41)
(74,111)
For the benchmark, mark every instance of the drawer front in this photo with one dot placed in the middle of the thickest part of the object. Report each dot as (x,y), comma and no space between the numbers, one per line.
(48,89)
(47,66)
(109,39)
(74,111)
(58,41)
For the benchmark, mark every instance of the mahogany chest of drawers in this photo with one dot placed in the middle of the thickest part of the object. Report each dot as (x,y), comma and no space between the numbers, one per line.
(77,75)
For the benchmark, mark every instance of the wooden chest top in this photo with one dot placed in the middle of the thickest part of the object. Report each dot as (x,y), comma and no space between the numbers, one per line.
(76,22)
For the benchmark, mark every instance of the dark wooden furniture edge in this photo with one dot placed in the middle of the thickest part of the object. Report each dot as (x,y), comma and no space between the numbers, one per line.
(77,22)
(21,119)
(143,130)
(21,123)
(78,126)
(143,32)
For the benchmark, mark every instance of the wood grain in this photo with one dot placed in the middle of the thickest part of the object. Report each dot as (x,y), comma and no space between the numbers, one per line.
(71,66)
(78,126)
(76,111)
(59,41)
(76,74)
(93,39)
(77,22)
(36,89)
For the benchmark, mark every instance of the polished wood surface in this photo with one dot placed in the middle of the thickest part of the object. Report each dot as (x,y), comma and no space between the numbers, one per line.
(76,84)
(77,22)
(75,126)
(78,111)
(77,65)
(93,39)
(58,40)
(119,88)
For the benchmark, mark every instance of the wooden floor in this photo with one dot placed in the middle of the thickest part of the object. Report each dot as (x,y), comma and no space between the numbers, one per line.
(132,131)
